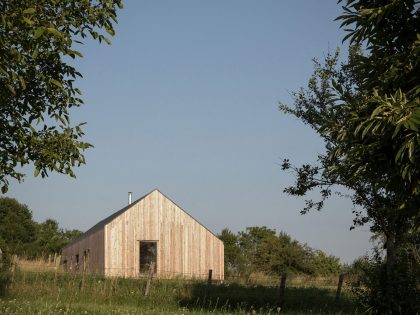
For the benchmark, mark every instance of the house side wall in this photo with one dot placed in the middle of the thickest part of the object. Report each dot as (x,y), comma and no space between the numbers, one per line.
(185,248)
(93,262)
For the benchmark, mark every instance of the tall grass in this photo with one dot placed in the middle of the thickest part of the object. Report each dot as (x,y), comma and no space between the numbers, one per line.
(57,292)
(293,280)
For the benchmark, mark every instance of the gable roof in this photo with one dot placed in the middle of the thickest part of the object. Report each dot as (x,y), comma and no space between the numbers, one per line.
(108,219)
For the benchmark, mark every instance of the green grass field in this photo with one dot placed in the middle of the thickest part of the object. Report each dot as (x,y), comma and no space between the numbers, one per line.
(44,292)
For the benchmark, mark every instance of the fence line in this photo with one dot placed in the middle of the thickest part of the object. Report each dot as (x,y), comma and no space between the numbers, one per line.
(266,281)
(269,281)
(85,283)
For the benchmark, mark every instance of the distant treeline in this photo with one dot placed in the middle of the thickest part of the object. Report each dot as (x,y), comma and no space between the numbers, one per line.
(21,235)
(262,250)
(255,250)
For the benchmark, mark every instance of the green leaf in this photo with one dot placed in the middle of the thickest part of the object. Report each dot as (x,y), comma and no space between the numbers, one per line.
(405,172)
(11,89)
(367,129)
(396,131)
(55,32)
(22,83)
(28,21)
(110,31)
(36,171)
(29,11)
(412,125)
(4,189)
(38,32)
(411,151)
(56,83)
(357,130)
(376,111)
(400,153)
(74,52)
(35,53)
(106,40)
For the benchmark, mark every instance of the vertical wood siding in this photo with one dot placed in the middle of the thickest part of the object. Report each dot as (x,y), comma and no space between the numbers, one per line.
(94,243)
(184,247)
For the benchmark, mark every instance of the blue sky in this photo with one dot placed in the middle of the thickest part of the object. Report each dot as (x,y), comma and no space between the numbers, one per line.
(185,100)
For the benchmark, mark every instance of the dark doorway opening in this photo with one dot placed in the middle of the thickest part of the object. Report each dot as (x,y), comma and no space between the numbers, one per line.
(148,256)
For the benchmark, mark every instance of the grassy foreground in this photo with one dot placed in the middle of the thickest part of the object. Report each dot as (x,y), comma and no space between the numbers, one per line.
(60,293)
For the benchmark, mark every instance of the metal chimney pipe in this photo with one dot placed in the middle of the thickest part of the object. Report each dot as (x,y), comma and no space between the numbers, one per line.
(129,198)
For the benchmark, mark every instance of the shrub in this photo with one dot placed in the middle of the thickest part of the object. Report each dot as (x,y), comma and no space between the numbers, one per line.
(370,286)
(5,266)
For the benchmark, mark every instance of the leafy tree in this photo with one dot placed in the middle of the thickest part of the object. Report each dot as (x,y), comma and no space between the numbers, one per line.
(22,236)
(323,264)
(234,258)
(37,40)
(50,239)
(367,110)
(17,229)
(258,245)
(260,249)
(71,235)
(291,256)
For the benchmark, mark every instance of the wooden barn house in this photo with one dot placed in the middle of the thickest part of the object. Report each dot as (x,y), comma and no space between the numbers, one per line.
(152,229)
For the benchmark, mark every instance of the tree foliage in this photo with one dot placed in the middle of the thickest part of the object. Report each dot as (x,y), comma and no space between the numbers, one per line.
(17,229)
(22,236)
(371,285)
(5,266)
(262,250)
(367,110)
(49,237)
(38,38)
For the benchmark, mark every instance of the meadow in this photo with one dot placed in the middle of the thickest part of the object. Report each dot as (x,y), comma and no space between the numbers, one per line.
(39,289)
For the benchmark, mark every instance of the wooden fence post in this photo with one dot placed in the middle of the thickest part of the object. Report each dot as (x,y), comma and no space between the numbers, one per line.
(209,279)
(149,279)
(282,289)
(57,261)
(339,286)
(13,267)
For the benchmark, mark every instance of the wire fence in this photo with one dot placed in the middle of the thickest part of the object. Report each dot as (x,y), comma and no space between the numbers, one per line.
(268,280)
(201,290)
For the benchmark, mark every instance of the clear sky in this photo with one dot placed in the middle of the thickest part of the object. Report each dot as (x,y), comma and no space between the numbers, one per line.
(185,100)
